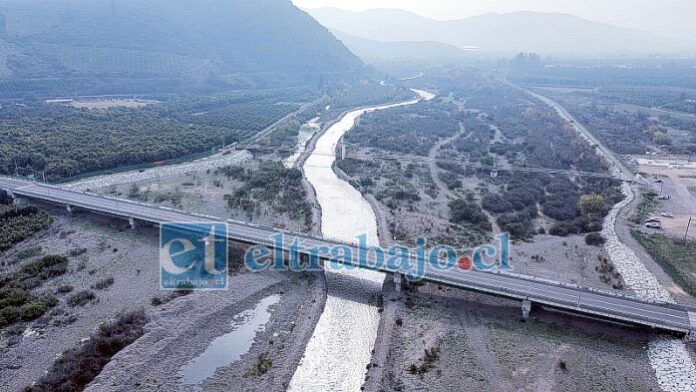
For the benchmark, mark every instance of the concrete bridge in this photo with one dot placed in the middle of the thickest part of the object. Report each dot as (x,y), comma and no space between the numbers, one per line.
(528,290)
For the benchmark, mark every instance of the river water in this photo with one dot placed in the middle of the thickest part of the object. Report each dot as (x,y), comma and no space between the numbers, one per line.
(307,130)
(231,346)
(336,356)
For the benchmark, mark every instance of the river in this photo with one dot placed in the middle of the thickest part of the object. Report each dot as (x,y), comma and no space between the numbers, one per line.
(336,356)
(306,133)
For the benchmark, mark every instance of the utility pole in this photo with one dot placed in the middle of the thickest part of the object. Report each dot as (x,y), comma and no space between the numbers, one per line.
(687,231)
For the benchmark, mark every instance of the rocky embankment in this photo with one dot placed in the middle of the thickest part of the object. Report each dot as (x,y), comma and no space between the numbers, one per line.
(673,366)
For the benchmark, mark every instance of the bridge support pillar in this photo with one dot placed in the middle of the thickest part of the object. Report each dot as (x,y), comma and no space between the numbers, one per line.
(526,308)
(690,337)
(13,198)
(131,222)
(69,208)
(398,281)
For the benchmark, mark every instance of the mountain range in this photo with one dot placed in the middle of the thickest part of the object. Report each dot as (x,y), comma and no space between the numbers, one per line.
(368,49)
(503,34)
(247,41)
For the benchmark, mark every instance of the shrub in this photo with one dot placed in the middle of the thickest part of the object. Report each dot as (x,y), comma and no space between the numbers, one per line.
(30,283)
(16,304)
(77,252)
(20,222)
(9,315)
(32,311)
(103,284)
(79,366)
(29,252)
(47,267)
(64,289)
(413,369)
(463,211)
(14,297)
(562,365)
(5,198)
(49,300)
(593,204)
(81,298)
(594,239)
(496,203)
(262,366)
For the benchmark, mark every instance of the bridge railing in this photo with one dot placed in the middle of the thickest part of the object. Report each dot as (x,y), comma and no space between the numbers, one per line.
(436,278)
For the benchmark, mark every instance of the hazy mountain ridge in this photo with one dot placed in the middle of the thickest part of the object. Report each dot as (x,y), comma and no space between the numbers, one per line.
(547,33)
(417,50)
(159,38)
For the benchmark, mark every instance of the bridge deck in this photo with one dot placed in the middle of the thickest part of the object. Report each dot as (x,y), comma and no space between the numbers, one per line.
(571,298)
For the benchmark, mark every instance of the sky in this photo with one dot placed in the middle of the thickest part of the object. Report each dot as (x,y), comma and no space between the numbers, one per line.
(670,18)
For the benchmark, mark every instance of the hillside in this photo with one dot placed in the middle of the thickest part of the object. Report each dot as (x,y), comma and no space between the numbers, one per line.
(368,49)
(545,33)
(238,42)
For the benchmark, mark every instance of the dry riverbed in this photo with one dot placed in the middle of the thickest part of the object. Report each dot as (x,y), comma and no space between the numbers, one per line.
(100,248)
(97,249)
(205,189)
(185,341)
(441,339)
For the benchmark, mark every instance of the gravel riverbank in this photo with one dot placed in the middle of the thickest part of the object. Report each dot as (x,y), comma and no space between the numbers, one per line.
(132,177)
(673,365)
(184,329)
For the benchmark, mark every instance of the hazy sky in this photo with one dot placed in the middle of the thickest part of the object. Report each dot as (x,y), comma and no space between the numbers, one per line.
(664,17)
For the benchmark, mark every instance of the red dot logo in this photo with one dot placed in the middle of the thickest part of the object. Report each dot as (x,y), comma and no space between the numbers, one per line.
(465,263)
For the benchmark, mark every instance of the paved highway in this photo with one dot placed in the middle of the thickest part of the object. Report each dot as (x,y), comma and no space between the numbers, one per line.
(570,298)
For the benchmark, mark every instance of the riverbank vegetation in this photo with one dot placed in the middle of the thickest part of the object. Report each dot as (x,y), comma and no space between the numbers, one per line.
(77,367)
(409,130)
(18,300)
(509,129)
(270,184)
(367,93)
(18,223)
(500,127)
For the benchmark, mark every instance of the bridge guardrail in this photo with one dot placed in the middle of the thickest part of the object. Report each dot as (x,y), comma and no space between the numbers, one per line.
(436,278)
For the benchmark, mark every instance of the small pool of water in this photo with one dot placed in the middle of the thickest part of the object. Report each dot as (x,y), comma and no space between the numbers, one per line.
(229,347)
